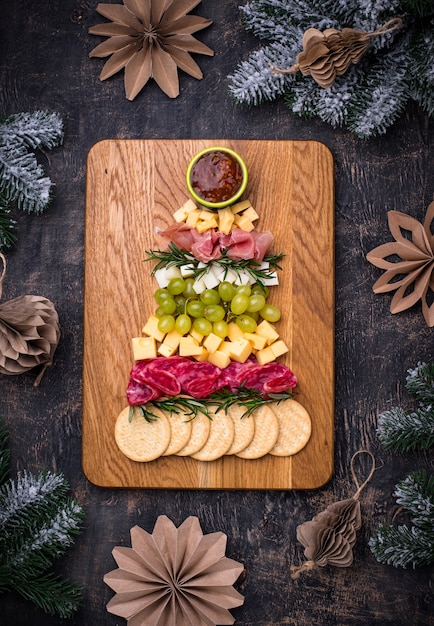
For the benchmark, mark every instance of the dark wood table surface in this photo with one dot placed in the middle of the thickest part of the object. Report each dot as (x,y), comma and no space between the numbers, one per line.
(44,64)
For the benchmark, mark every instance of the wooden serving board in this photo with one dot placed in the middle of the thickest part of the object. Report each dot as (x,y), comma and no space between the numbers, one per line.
(132,188)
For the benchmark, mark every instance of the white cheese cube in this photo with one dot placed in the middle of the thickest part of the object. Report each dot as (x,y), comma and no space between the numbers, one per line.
(199,285)
(186,270)
(273,280)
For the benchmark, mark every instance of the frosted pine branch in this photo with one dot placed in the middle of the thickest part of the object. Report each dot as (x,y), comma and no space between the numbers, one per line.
(41,129)
(402,546)
(20,499)
(416,494)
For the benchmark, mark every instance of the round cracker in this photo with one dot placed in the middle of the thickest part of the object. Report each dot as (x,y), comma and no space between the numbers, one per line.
(266,433)
(244,428)
(200,427)
(295,427)
(220,438)
(140,440)
(181,432)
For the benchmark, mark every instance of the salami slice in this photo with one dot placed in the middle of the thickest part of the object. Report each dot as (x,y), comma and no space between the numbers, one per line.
(139,393)
(270,378)
(199,379)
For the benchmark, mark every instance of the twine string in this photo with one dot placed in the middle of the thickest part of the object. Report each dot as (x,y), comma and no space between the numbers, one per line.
(3,273)
(359,486)
(298,569)
(388,27)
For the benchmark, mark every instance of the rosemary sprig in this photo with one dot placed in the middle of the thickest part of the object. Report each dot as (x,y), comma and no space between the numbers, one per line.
(175,257)
(249,398)
(246,397)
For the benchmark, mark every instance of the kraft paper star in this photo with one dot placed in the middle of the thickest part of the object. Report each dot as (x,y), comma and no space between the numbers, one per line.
(150,39)
(409,263)
(174,577)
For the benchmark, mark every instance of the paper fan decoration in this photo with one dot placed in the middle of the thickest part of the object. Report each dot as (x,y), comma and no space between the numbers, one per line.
(150,39)
(29,332)
(330,536)
(409,263)
(174,577)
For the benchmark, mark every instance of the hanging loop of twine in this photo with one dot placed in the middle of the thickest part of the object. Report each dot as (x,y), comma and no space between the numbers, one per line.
(359,486)
(388,27)
(3,272)
(298,569)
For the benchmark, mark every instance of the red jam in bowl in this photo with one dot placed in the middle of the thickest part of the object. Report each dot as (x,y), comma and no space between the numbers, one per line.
(216,176)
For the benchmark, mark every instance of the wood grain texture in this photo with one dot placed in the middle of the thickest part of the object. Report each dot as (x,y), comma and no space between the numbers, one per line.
(133,187)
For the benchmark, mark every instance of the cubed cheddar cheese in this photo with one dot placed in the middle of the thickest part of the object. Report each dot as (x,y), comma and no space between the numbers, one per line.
(265,356)
(171,340)
(204,225)
(240,350)
(144,348)
(212,342)
(278,348)
(225,347)
(258,342)
(218,358)
(181,214)
(267,330)
(234,331)
(165,350)
(192,218)
(197,336)
(202,356)
(251,214)
(238,207)
(151,329)
(189,347)
(244,223)
(226,220)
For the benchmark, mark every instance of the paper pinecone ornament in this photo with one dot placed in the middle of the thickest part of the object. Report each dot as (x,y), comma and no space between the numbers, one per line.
(150,39)
(330,536)
(174,577)
(29,333)
(412,276)
(329,53)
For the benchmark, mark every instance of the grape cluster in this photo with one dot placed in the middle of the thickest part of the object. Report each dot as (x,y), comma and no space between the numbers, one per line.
(181,308)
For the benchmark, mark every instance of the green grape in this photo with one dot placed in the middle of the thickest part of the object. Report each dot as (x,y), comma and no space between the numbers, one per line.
(183,324)
(258,290)
(270,313)
(195,308)
(246,323)
(239,304)
(189,292)
(161,294)
(168,305)
(256,303)
(254,315)
(166,323)
(214,313)
(202,326)
(220,329)
(210,296)
(246,290)
(176,286)
(180,303)
(226,291)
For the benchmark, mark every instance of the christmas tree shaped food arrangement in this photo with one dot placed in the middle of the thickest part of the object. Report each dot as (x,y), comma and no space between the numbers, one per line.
(208,379)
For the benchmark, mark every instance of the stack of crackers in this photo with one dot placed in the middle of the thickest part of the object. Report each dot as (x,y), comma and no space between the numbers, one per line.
(280,429)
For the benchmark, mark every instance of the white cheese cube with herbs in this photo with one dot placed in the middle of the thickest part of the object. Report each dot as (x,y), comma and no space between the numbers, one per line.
(165,274)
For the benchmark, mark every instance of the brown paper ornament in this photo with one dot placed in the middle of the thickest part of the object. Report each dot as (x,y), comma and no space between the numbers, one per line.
(29,332)
(174,576)
(412,276)
(330,536)
(329,53)
(150,39)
